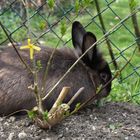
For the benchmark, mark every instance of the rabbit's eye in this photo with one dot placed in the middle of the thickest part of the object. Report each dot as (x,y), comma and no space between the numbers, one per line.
(104,77)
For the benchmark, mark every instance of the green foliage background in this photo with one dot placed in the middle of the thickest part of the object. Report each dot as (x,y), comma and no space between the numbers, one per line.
(40,25)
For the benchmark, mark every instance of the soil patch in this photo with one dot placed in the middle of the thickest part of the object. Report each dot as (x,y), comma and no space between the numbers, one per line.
(113,121)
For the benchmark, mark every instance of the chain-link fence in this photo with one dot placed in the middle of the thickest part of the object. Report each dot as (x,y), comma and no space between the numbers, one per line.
(40,20)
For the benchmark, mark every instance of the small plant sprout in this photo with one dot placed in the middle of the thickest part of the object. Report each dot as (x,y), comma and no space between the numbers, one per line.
(31,47)
(51,4)
(58,111)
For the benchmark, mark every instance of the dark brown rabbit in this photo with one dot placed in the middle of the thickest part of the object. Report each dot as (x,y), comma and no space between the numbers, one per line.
(91,72)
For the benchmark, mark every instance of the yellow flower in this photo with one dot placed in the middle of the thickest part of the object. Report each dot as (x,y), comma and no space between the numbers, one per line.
(31,47)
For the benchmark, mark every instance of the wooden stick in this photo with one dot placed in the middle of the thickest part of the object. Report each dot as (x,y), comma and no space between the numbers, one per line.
(75,95)
(59,100)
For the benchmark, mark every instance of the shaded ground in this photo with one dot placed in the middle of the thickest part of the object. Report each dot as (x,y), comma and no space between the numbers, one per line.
(113,121)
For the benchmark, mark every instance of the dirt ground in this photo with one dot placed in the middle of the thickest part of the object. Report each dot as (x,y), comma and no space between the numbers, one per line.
(113,121)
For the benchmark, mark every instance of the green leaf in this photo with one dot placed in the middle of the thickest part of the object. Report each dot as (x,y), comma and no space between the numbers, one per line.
(42,25)
(86,3)
(78,105)
(115,126)
(32,114)
(77,6)
(100,103)
(133,4)
(63,27)
(112,126)
(98,89)
(67,113)
(45,115)
(51,4)
(38,64)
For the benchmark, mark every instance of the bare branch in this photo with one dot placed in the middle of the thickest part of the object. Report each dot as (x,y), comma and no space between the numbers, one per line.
(76,95)
(60,99)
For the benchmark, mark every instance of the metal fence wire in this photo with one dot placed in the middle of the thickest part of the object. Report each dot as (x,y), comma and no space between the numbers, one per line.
(42,19)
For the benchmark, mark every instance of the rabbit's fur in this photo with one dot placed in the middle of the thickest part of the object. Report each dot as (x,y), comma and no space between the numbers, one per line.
(91,72)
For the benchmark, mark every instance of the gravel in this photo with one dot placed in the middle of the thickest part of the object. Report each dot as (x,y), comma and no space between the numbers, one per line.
(113,121)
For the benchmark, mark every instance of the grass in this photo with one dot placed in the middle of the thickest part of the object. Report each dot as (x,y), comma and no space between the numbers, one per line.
(122,38)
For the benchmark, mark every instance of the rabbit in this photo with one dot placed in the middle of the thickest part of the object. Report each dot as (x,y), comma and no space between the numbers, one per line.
(90,72)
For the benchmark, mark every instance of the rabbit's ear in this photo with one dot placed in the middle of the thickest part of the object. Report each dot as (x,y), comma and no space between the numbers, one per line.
(92,57)
(78,33)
